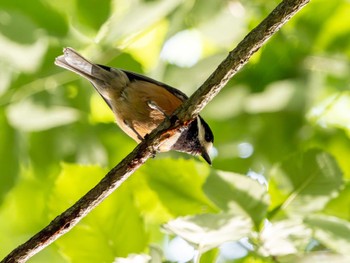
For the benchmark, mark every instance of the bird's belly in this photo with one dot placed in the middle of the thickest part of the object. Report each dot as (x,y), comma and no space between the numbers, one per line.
(130,119)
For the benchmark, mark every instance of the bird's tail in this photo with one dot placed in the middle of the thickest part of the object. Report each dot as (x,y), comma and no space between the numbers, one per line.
(75,62)
(104,79)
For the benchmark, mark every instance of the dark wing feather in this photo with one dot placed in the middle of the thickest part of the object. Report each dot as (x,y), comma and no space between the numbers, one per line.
(135,76)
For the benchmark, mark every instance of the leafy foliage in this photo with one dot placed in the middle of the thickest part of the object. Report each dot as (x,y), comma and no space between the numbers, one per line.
(279,187)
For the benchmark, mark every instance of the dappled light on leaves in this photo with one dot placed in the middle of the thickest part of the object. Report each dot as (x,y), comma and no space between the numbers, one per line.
(278,189)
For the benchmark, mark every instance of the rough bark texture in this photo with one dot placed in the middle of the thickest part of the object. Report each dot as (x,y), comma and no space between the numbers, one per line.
(191,108)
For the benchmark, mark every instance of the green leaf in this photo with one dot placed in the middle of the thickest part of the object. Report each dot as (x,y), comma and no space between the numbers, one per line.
(333,112)
(23,211)
(339,146)
(208,231)
(52,21)
(19,27)
(235,25)
(209,256)
(305,182)
(340,206)
(114,229)
(336,29)
(93,12)
(178,185)
(319,257)
(237,194)
(332,232)
(10,155)
(128,18)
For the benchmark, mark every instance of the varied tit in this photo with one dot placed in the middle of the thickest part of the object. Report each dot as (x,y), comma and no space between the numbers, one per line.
(140,104)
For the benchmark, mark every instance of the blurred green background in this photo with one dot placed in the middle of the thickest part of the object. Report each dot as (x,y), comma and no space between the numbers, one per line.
(278,190)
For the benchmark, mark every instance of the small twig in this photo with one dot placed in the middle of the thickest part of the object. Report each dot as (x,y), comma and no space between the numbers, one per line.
(191,108)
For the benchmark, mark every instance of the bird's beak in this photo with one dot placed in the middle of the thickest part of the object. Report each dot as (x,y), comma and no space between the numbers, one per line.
(206,156)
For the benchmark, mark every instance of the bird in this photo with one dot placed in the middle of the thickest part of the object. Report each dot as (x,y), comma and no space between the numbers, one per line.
(140,104)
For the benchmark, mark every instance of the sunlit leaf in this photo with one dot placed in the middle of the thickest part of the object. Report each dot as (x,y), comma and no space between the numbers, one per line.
(150,203)
(284,237)
(339,147)
(113,229)
(152,41)
(332,232)
(178,184)
(232,21)
(336,28)
(128,19)
(238,194)
(27,116)
(25,58)
(23,212)
(207,231)
(266,101)
(100,112)
(305,182)
(194,76)
(333,112)
(319,257)
(340,206)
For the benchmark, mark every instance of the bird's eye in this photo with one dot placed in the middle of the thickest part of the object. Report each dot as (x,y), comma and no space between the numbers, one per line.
(208,137)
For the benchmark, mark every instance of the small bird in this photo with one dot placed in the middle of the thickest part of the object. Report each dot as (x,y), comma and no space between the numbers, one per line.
(140,104)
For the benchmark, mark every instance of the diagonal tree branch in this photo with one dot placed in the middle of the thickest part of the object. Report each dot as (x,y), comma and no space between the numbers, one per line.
(236,59)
